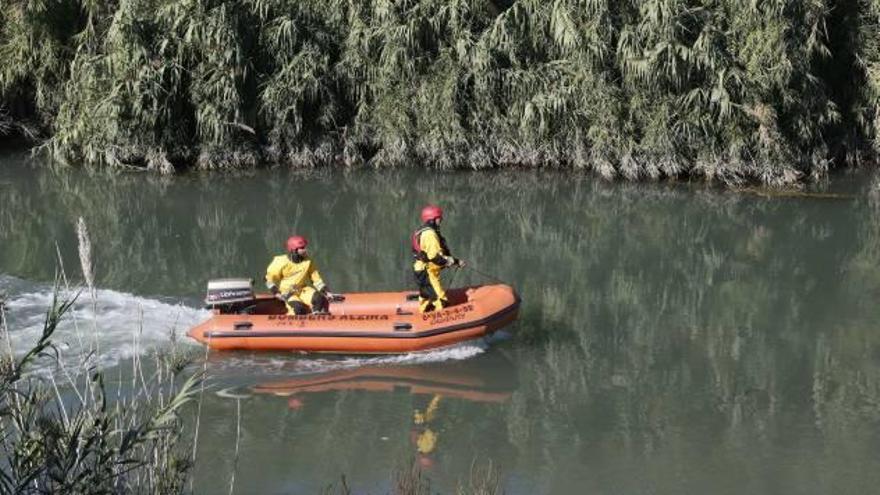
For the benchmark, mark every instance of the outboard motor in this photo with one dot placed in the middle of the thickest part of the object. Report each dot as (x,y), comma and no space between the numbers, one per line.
(230,295)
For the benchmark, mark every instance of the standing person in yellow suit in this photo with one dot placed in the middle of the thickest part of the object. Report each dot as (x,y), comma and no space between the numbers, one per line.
(431,255)
(294,279)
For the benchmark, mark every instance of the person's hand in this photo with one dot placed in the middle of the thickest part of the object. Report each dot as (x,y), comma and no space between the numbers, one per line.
(460,263)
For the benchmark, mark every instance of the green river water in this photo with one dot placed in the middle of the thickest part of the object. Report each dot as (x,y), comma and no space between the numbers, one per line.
(672,338)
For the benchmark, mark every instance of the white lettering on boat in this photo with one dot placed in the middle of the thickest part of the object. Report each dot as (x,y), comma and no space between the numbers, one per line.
(286,319)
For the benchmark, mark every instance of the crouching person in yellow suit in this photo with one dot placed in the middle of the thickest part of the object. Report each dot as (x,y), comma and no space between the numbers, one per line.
(294,279)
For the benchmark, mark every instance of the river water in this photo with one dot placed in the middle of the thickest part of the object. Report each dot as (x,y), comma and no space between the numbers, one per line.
(673,338)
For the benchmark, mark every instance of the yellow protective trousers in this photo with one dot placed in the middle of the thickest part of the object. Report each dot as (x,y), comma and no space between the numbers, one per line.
(305,301)
(432,296)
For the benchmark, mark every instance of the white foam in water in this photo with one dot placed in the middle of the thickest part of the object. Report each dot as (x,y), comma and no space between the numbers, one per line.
(452,353)
(303,364)
(115,324)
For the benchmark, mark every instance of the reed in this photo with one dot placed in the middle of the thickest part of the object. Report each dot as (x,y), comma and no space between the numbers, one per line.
(85,255)
(772,92)
(5,121)
(483,479)
(409,479)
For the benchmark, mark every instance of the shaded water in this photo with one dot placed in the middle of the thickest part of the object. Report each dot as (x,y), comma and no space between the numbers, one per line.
(672,338)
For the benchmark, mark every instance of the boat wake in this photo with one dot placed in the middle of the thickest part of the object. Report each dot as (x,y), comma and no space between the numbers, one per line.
(262,365)
(109,328)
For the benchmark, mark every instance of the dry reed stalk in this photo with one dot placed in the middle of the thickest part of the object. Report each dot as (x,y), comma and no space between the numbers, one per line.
(483,479)
(85,255)
(237,445)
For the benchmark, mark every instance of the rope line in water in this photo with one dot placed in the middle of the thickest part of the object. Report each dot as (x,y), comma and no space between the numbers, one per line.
(484,274)
(487,275)
(454,274)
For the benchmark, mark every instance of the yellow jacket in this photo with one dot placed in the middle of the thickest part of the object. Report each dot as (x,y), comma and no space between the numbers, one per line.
(436,253)
(290,277)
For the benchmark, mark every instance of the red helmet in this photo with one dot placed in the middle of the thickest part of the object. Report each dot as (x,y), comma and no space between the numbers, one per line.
(431,212)
(296,242)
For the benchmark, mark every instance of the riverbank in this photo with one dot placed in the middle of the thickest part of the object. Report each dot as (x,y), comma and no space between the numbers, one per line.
(761,93)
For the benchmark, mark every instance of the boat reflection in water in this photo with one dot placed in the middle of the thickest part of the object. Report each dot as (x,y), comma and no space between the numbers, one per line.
(488,378)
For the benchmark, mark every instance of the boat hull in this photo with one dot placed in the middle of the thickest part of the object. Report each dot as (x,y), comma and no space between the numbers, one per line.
(364,323)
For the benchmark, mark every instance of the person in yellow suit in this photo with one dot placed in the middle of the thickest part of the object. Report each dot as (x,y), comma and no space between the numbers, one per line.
(294,279)
(431,255)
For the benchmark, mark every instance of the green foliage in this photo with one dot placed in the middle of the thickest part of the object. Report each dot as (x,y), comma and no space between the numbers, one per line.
(869,55)
(720,89)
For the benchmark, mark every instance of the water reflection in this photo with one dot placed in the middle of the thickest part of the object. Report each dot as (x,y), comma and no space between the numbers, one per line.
(671,339)
(491,378)
(432,386)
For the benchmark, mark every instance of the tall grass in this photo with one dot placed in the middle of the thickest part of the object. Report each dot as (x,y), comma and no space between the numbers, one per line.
(5,122)
(410,479)
(77,436)
(769,91)
(484,478)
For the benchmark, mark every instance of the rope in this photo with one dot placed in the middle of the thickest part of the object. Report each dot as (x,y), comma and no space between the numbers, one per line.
(489,276)
(454,274)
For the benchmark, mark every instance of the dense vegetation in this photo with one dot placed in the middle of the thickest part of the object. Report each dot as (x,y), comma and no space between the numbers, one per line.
(773,91)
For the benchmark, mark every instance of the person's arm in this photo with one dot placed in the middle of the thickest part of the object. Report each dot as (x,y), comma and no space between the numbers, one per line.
(273,276)
(430,244)
(317,281)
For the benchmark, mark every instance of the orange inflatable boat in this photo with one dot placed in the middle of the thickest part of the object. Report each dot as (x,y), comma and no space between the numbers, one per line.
(358,323)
